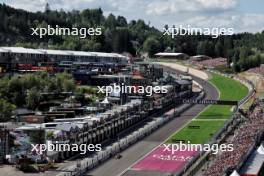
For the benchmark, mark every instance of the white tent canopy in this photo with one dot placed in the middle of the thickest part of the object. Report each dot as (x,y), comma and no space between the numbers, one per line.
(235,173)
(261,149)
(105,101)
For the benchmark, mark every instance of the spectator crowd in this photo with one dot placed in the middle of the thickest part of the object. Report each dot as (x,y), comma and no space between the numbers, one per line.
(258,70)
(244,138)
(211,63)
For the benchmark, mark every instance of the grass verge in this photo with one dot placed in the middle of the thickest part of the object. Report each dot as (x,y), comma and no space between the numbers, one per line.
(229,90)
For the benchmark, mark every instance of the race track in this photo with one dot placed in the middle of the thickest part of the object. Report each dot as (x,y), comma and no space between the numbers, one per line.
(115,167)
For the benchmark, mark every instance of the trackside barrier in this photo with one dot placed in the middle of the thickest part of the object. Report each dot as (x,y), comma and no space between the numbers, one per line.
(204,155)
(90,163)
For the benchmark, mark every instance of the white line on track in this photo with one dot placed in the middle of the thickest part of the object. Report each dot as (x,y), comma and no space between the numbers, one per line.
(209,119)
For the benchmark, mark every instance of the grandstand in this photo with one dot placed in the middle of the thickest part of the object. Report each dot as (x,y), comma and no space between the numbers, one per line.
(19,55)
(244,140)
(210,63)
(258,70)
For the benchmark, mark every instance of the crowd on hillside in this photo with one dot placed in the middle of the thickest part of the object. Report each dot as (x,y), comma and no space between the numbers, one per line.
(211,63)
(258,70)
(244,138)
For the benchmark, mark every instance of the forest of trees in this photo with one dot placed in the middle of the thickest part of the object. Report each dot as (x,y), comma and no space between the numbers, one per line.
(135,37)
(25,91)
(118,35)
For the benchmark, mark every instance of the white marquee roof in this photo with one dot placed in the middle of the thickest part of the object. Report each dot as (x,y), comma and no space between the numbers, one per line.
(58,52)
(54,52)
(81,53)
(3,50)
(169,54)
(21,50)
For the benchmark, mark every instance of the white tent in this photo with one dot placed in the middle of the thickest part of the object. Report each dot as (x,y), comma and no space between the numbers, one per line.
(105,101)
(261,150)
(235,173)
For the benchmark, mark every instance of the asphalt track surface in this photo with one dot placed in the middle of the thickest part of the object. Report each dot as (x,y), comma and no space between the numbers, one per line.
(117,167)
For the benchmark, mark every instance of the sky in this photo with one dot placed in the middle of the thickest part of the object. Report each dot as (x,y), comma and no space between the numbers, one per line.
(242,15)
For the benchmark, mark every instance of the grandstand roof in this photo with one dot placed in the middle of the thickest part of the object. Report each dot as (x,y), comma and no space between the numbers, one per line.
(100,54)
(3,50)
(58,52)
(81,53)
(170,54)
(29,127)
(21,50)
(253,165)
(55,52)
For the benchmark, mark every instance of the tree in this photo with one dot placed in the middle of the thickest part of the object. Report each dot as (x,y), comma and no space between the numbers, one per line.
(121,40)
(65,82)
(219,49)
(205,48)
(111,22)
(6,109)
(68,85)
(244,52)
(47,8)
(33,98)
(122,22)
(228,44)
(235,65)
(200,48)
(151,45)
(16,91)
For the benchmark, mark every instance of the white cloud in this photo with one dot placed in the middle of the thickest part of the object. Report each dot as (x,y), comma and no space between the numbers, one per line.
(240,22)
(27,4)
(217,4)
(250,22)
(158,7)
(169,7)
(39,5)
(124,5)
(197,13)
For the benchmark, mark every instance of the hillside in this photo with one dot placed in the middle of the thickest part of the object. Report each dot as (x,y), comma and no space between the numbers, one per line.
(118,35)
